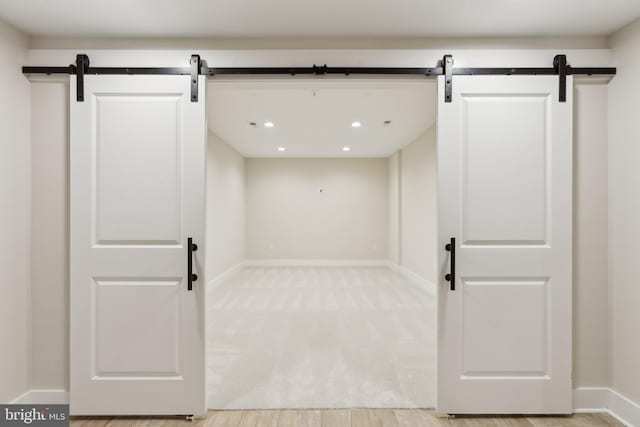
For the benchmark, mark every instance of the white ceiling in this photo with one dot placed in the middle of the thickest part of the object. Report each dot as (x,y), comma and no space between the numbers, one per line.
(313,118)
(319,18)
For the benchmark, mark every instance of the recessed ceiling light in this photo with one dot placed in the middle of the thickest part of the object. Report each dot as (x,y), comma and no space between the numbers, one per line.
(252,123)
(268,124)
(280,148)
(387,122)
(356,124)
(346,149)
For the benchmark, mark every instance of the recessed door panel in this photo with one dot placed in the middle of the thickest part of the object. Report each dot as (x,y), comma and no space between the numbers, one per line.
(505,329)
(504,166)
(137,328)
(138,144)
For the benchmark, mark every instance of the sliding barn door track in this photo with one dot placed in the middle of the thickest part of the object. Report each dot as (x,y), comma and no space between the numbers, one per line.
(444,68)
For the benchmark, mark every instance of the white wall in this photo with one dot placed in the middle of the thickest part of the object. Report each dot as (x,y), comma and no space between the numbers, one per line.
(288,216)
(394,208)
(418,209)
(49,234)
(590,288)
(14,214)
(225,222)
(307,43)
(624,213)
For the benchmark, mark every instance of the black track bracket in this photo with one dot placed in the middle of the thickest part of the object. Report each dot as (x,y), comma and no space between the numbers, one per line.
(82,65)
(195,72)
(447,70)
(320,70)
(560,64)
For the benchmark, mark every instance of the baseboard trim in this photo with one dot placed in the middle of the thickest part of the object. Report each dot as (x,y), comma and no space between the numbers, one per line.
(317,262)
(43,397)
(624,409)
(224,276)
(604,399)
(590,399)
(20,398)
(413,277)
(585,400)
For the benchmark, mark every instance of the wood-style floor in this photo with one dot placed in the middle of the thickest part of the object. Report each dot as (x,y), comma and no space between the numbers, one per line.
(347,418)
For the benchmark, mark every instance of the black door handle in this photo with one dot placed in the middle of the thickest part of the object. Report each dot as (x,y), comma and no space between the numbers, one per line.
(191,277)
(451,276)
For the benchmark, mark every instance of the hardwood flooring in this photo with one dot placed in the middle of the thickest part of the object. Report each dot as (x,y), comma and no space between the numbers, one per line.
(347,418)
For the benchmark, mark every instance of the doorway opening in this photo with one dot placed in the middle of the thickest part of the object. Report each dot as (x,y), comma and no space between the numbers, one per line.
(321,243)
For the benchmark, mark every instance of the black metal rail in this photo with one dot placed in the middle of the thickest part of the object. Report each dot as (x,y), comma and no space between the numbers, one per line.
(445,68)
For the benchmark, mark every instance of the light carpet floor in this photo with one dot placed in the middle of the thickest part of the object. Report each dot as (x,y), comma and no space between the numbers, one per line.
(320,337)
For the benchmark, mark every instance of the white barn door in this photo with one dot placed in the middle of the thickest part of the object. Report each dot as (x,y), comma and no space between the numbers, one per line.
(137,175)
(505,195)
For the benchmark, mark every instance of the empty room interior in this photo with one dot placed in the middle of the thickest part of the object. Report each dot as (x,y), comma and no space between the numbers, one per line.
(321,237)
(336,213)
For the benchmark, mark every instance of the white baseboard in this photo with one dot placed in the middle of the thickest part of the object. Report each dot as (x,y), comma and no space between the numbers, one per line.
(221,278)
(46,396)
(317,262)
(585,400)
(624,409)
(590,399)
(414,277)
(603,399)
(393,266)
